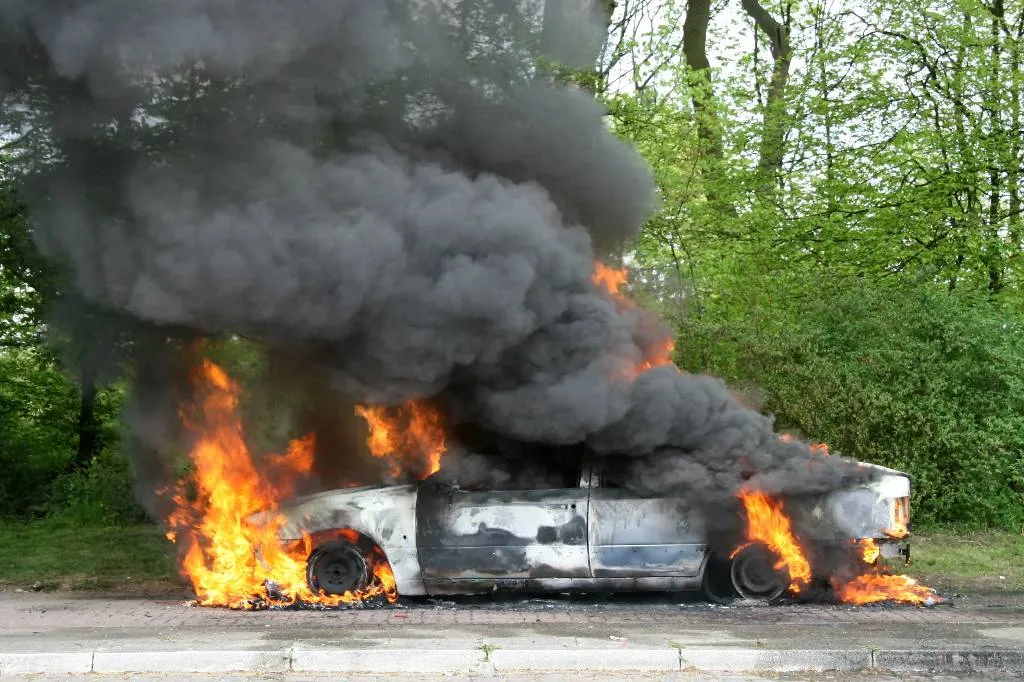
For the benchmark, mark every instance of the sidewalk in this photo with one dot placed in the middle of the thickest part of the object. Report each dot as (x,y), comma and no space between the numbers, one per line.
(44,634)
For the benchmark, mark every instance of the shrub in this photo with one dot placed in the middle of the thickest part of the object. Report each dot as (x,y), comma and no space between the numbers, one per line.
(38,411)
(101,494)
(912,378)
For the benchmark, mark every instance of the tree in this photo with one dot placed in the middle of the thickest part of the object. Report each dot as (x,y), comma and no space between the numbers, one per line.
(866,268)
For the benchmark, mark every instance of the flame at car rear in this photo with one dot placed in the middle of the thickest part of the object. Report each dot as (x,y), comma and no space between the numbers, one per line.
(900,513)
(768,524)
(229,559)
(871,588)
(873,584)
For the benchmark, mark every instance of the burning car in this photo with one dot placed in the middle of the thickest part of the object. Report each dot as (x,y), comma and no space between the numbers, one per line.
(581,533)
(571,523)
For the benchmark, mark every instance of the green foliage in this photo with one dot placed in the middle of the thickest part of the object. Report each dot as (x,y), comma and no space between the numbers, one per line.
(38,440)
(868,293)
(906,377)
(99,495)
(37,429)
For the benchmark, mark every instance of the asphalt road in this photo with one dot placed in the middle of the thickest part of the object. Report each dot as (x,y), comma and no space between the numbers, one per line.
(657,634)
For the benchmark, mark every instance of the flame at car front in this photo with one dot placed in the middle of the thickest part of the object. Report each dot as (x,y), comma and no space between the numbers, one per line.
(230,560)
(410,438)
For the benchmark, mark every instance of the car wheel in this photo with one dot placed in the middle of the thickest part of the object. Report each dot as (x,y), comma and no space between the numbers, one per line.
(337,568)
(754,576)
(716,585)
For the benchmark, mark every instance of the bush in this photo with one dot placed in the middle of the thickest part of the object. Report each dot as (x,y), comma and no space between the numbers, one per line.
(916,379)
(100,495)
(38,439)
(38,412)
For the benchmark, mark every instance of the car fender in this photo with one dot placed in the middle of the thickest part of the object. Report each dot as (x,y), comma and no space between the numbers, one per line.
(384,514)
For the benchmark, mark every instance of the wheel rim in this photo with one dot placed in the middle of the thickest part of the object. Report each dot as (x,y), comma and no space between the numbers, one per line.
(337,570)
(754,575)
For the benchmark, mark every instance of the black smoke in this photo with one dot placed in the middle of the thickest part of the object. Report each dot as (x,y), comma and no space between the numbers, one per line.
(394,195)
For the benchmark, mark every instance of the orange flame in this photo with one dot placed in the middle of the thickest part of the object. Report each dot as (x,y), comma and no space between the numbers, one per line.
(229,559)
(816,448)
(873,585)
(870,588)
(608,278)
(900,518)
(661,354)
(612,280)
(820,449)
(768,524)
(410,437)
(869,550)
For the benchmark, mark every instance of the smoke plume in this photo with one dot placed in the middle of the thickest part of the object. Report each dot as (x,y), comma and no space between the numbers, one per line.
(394,194)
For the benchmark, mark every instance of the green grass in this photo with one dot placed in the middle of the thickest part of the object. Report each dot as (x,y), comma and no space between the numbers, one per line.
(55,554)
(969,560)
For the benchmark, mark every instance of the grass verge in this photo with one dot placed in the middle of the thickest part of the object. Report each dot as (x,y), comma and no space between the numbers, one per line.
(57,554)
(968,560)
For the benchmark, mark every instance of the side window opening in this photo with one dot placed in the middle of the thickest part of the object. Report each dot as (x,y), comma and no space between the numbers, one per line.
(610,474)
(483,472)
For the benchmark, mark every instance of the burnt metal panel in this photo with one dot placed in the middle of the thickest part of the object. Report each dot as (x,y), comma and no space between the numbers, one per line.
(469,535)
(491,585)
(386,515)
(634,537)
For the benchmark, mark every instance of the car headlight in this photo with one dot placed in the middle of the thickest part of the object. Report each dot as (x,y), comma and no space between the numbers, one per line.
(861,513)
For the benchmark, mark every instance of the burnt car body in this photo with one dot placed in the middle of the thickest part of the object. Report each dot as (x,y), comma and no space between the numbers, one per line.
(440,538)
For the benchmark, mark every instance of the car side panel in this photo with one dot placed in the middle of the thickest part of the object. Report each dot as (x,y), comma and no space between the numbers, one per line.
(635,537)
(491,585)
(467,535)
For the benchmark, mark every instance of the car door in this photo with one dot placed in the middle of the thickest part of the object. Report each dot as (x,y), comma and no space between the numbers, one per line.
(631,536)
(502,534)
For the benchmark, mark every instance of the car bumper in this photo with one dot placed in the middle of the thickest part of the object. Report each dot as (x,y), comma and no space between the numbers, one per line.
(894,550)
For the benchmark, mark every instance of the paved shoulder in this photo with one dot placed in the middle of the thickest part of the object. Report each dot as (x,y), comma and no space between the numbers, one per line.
(45,634)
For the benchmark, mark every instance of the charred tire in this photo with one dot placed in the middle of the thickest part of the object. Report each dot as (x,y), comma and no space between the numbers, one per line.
(337,568)
(753,574)
(716,585)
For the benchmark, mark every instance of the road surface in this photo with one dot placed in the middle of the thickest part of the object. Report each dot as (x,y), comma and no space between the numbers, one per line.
(650,636)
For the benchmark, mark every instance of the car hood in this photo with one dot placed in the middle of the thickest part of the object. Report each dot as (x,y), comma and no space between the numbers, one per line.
(361,497)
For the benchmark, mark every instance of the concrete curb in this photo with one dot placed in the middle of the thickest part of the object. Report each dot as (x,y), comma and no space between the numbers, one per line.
(774,660)
(488,659)
(544,660)
(202,661)
(388,661)
(974,660)
(47,664)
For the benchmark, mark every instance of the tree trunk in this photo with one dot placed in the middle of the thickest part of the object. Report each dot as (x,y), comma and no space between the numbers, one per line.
(695,50)
(88,428)
(710,152)
(993,257)
(775,126)
(1016,134)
